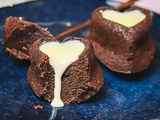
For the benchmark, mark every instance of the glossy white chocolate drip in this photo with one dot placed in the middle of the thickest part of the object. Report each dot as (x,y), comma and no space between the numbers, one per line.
(61,56)
(128,19)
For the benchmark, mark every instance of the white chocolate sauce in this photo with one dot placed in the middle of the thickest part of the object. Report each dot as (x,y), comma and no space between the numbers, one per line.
(61,56)
(128,18)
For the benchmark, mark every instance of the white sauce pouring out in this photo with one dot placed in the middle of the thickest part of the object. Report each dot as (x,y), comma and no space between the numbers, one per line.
(61,56)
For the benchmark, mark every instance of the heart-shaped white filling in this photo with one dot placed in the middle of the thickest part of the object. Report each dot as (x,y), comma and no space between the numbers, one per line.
(128,18)
(61,56)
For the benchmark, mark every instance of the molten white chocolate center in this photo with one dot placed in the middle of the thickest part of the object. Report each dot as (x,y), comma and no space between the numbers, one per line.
(128,18)
(61,56)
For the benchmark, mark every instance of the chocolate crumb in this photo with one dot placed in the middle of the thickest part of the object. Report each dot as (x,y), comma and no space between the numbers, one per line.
(62,117)
(36,107)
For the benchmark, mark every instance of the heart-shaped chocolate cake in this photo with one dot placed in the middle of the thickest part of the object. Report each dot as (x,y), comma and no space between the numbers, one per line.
(19,36)
(122,40)
(64,72)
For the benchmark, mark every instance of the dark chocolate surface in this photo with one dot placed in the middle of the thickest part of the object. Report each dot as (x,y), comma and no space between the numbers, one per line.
(122,97)
(122,49)
(19,35)
(80,81)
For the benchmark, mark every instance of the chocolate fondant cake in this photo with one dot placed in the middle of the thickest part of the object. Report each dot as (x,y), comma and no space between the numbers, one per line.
(81,80)
(124,49)
(19,35)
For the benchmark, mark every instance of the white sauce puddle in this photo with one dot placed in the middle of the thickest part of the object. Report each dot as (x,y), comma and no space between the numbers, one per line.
(128,18)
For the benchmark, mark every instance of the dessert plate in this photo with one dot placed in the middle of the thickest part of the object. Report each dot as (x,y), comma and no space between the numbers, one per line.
(128,97)
(121,97)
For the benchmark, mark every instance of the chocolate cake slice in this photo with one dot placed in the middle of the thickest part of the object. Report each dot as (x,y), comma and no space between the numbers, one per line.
(81,80)
(122,48)
(19,36)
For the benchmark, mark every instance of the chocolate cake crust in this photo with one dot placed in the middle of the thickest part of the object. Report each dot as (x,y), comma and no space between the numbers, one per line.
(81,80)
(19,36)
(120,48)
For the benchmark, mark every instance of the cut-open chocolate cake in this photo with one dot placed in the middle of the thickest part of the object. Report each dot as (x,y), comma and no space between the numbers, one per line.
(19,36)
(122,48)
(81,79)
